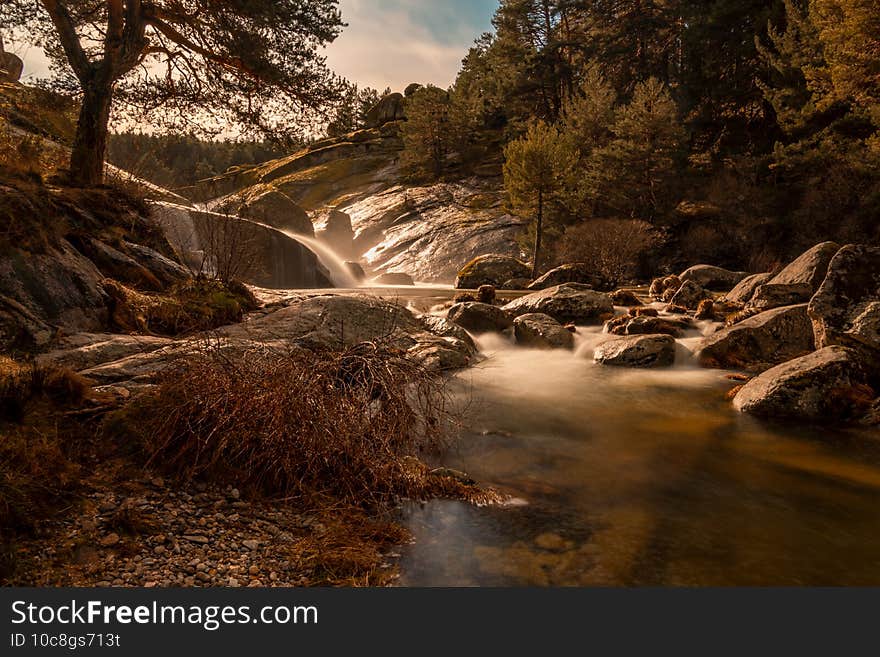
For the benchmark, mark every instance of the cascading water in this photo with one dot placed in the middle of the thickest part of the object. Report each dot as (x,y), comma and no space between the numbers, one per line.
(339,272)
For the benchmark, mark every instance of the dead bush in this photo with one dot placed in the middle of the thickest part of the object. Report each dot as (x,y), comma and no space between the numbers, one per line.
(613,248)
(301,424)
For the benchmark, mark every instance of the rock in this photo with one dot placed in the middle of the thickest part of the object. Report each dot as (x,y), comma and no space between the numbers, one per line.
(743,292)
(516,284)
(338,234)
(166,270)
(625,298)
(663,289)
(59,287)
(86,350)
(251,545)
(572,273)
(761,341)
(275,208)
(542,331)
(356,271)
(394,278)
(440,354)
(706,310)
(389,108)
(20,329)
(490,270)
(776,295)
(810,268)
(486,294)
(446,329)
(116,265)
(647,325)
(110,540)
(11,67)
(713,278)
(571,302)
(479,317)
(826,385)
(637,351)
(689,295)
(846,308)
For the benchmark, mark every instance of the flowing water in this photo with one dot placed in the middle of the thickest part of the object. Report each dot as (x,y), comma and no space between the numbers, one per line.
(635,477)
(339,273)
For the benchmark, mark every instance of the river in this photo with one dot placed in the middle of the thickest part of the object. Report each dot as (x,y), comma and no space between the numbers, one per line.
(639,478)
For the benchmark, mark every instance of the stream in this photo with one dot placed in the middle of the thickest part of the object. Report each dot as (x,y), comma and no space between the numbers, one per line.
(622,477)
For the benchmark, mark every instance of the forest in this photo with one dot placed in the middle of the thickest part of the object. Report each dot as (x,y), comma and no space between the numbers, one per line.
(736,132)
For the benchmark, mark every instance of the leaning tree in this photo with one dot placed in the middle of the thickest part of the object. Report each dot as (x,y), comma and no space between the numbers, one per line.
(186,64)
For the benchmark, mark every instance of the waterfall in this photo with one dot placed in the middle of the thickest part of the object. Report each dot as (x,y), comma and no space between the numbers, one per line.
(339,273)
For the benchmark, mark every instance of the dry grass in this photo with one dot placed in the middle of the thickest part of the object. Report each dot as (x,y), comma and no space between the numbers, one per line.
(302,424)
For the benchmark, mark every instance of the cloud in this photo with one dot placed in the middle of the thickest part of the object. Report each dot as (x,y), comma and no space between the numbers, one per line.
(390,43)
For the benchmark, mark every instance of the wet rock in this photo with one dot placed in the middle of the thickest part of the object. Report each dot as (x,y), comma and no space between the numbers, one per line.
(571,273)
(761,341)
(394,278)
(356,271)
(649,325)
(571,302)
(487,294)
(743,292)
(713,278)
(776,295)
(663,289)
(338,234)
(490,270)
(637,351)
(440,354)
(542,331)
(689,295)
(516,284)
(275,208)
(480,317)
(446,329)
(827,385)
(625,298)
(706,310)
(846,308)
(810,268)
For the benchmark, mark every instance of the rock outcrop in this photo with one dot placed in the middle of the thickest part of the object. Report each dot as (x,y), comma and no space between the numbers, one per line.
(542,332)
(828,385)
(810,268)
(776,295)
(569,303)
(846,308)
(338,234)
(490,270)
(637,351)
(479,317)
(745,289)
(389,108)
(761,341)
(713,278)
(267,205)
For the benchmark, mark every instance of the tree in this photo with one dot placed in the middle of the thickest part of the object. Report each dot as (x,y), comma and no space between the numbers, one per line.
(427,136)
(199,60)
(631,174)
(537,175)
(588,115)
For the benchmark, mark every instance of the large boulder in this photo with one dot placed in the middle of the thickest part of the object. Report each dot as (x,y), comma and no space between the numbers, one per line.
(761,341)
(713,278)
(745,289)
(572,273)
(648,325)
(11,67)
(810,268)
(163,268)
(776,295)
(395,279)
(491,270)
(569,303)
(479,317)
(279,211)
(689,296)
(542,332)
(846,308)
(389,108)
(446,329)
(637,351)
(826,385)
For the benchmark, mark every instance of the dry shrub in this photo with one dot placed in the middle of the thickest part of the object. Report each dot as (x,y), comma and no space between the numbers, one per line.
(340,424)
(613,248)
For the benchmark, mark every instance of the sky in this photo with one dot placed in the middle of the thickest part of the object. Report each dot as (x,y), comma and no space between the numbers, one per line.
(388,43)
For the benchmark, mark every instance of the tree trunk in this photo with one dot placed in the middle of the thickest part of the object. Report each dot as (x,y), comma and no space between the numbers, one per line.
(539,234)
(90,144)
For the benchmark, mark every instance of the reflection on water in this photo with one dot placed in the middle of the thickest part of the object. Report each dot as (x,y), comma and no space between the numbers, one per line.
(643,478)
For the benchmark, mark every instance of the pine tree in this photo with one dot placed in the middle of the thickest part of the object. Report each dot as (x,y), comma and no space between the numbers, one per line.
(588,115)
(537,176)
(427,134)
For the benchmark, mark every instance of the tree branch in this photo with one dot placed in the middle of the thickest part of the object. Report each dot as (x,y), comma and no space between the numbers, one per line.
(70,42)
